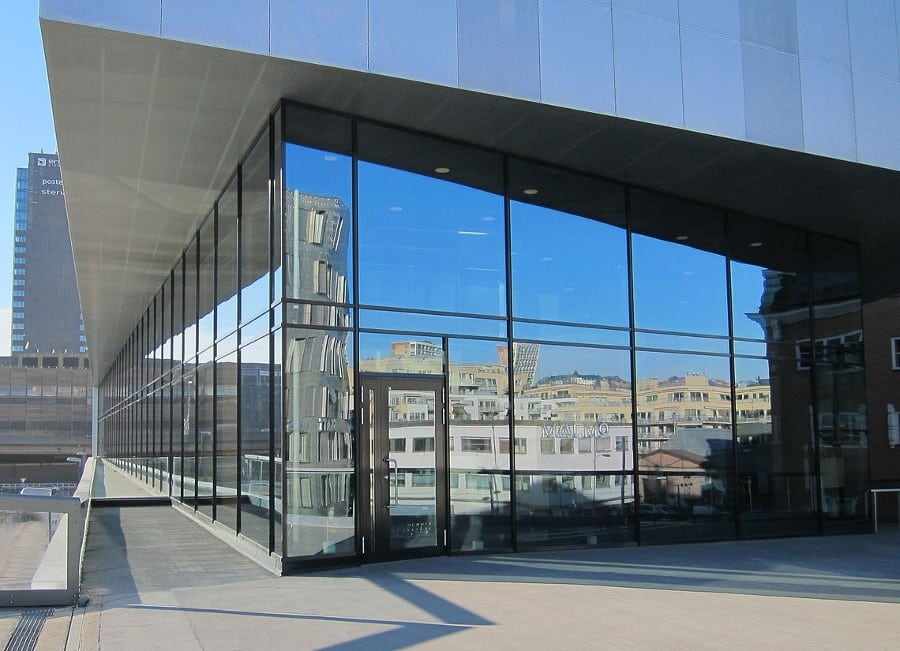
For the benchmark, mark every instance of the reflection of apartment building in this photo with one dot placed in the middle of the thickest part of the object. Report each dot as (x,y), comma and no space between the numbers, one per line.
(478,392)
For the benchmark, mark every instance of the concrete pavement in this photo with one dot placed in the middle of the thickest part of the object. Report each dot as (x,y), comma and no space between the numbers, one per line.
(157,580)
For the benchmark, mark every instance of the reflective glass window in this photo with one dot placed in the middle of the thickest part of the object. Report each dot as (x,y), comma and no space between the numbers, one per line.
(227,261)
(256,462)
(685,446)
(206,252)
(678,267)
(574,450)
(398,353)
(190,301)
(479,422)
(205,377)
(318,460)
(254,229)
(226,406)
(839,379)
(431,221)
(178,312)
(569,248)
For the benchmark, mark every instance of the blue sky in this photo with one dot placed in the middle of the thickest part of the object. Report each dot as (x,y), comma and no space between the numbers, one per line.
(27,125)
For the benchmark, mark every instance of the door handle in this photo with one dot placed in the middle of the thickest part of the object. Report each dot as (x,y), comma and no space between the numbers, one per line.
(396,466)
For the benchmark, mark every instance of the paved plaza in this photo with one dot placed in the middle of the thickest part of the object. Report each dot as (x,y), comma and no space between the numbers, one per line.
(186,589)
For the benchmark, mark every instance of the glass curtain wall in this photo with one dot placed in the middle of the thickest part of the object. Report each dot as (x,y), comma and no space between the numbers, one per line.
(618,365)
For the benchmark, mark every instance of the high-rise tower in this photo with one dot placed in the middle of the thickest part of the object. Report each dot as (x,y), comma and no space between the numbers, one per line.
(46,314)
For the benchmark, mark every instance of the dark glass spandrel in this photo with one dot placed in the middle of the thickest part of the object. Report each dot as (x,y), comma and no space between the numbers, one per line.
(573,445)
(319,465)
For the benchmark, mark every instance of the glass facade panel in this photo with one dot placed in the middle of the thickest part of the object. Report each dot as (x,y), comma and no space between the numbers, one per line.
(318,209)
(257,468)
(574,443)
(478,413)
(738,415)
(685,447)
(400,354)
(206,424)
(190,301)
(319,434)
(227,261)
(566,268)
(226,441)
(839,404)
(431,225)
(206,304)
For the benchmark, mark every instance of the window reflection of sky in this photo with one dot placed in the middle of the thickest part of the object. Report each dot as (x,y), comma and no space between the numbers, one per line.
(428,244)
(568,268)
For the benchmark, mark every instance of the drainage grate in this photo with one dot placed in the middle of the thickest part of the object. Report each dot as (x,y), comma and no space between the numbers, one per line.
(25,637)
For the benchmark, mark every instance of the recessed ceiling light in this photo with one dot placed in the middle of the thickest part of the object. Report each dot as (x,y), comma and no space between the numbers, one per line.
(330,158)
(395,208)
(756,245)
(442,170)
(530,191)
(682,238)
(472,233)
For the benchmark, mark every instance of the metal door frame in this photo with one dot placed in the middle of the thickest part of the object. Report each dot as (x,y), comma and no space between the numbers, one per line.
(373,537)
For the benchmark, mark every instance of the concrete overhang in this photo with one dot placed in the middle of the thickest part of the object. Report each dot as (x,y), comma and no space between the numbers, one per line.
(150,129)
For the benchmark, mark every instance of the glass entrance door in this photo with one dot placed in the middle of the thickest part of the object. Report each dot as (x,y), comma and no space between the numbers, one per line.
(405,426)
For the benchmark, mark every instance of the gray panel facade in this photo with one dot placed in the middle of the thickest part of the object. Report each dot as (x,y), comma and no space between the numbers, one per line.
(518,49)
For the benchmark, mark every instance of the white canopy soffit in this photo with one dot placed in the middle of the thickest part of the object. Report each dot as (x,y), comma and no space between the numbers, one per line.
(149,131)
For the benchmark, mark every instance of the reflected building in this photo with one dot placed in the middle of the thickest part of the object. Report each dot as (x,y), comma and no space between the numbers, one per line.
(430,297)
